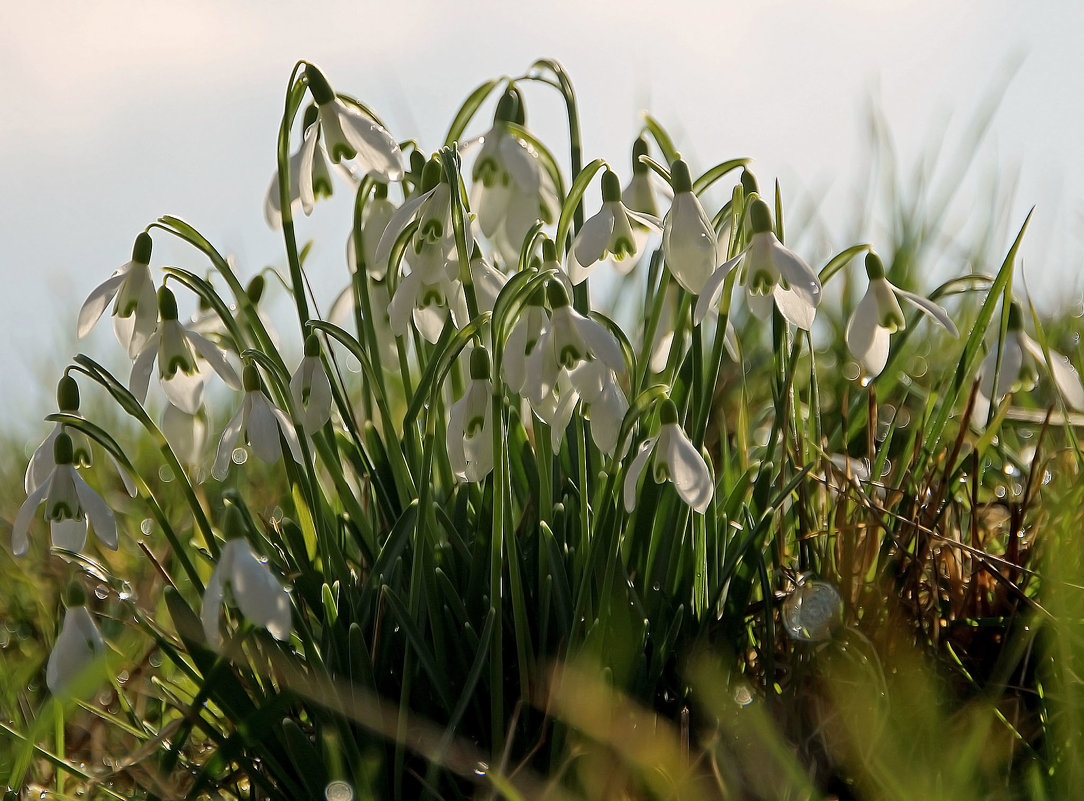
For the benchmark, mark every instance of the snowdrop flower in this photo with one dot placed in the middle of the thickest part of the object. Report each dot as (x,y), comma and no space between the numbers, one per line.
(639,196)
(770,273)
(70,504)
(522,340)
(311,388)
(1018,371)
(375,218)
(602,401)
(319,175)
(186,434)
(43,462)
(432,248)
(175,348)
(511,190)
(258,424)
(342,315)
(427,303)
(135,311)
(878,315)
(673,458)
(470,424)
(688,240)
(347,134)
(243,580)
(569,340)
(78,646)
(608,233)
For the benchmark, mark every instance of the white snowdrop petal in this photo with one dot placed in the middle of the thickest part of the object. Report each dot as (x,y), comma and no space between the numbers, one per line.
(635,470)
(184,390)
(21,526)
(688,471)
(867,341)
(71,534)
(590,244)
(289,434)
(139,380)
(258,593)
(396,225)
(228,441)
(1065,376)
(216,357)
(930,308)
(98,513)
(95,304)
(77,646)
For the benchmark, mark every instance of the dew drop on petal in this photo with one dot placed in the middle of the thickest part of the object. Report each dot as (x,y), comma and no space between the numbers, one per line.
(481,769)
(240,456)
(147,526)
(101,591)
(165,473)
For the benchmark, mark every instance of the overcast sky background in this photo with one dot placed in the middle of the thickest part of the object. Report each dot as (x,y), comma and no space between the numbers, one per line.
(118,112)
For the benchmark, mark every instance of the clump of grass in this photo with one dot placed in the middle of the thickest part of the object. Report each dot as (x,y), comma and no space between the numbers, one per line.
(529,552)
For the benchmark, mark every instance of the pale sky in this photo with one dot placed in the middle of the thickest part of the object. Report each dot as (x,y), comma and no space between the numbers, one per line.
(119,112)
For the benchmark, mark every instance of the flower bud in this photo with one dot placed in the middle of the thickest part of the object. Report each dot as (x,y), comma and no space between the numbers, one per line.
(549,250)
(875,268)
(167,304)
(74,594)
(1016,317)
(668,413)
(749,183)
(611,187)
(255,288)
(141,251)
(509,107)
(62,449)
(639,148)
(318,85)
(250,378)
(556,295)
(760,217)
(432,174)
(312,346)
(67,394)
(680,179)
(479,364)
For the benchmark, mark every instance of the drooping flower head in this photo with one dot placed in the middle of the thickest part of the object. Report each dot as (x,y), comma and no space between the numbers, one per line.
(257,424)
(135,311)
(70,504)
(319,175)
(243,580)
(311,388)
(511,188)
(569,340)
(607,234)
(375,218)
(639,196)
(470,423)
(1019,356)
(878,315)
(673,458)
(42,463)
(771,274)
(348,135)
(688,239)
(174,347)
(78,645)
